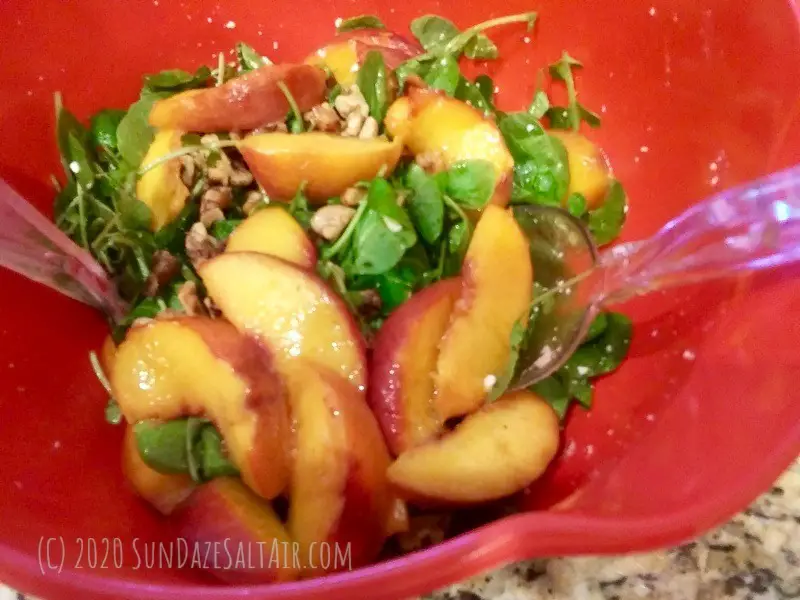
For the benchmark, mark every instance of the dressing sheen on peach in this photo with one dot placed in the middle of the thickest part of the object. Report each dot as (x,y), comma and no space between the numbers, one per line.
(195,366)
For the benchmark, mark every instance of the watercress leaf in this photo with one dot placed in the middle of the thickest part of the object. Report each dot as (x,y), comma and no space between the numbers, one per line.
(552,391)
(194,426)
(504,379)
(433,32)
(470,93)
(113,413)
(67,124)
(540,105)
(480,47)
(299,209)
(376,249)
(211,455)
(81,163)
(560,117)
(425,205)
(485,84)
(444,75)
(541,170)
(562,68)
(580,389)
(604,353)
(224,228)
(248,58)
(471,182)
(382,199)
(606,221)
(373,83)
(440,36)
(146,309)
(576,204)
(394,288)
(162,445)
(411,67)
(590,118)
(134,213)
(104,128)
(177,80)
(360,22)
(457,243)
(134,134)
(597,327)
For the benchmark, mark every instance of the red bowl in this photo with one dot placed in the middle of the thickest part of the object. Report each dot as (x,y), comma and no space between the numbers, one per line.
(695,97)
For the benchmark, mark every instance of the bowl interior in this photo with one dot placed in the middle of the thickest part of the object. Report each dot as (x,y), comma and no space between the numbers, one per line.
(695,97)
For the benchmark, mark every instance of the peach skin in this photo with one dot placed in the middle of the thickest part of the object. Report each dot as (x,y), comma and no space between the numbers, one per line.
(430,122)
(404,356)
(164,492)
(243,103)
(344,55)
(290,310)
(339,493)
(497,281)
(161,188)
(327,164)
(492,453)
(589,173)
(225,514)
(195,366)
(274,231)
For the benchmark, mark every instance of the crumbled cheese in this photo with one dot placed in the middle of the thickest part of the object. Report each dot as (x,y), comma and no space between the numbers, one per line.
(74,167)
(489,382)
(688,355)
(582,370)
(230,25)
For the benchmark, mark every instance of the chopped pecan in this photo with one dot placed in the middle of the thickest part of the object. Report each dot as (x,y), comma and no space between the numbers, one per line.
(253,201)
(163,268)
(353,196)
(200,246)
(323,118)
(213,202)
(187,296)
(432,162)
(330,221)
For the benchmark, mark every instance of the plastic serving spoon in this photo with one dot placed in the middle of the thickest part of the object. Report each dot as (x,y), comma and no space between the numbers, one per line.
(752,227)
(33,246)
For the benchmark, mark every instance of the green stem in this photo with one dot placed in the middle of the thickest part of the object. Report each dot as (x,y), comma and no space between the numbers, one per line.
(292,104)
(98,371)
(82,217)
(185,151)
(560,288)
(458,210)
(462,38)
(337,247)
(220,69)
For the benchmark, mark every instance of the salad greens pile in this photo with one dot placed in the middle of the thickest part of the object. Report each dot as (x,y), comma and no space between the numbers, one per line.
(411,229)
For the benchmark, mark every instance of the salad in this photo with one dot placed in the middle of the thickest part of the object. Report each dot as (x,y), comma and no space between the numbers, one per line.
(327,289)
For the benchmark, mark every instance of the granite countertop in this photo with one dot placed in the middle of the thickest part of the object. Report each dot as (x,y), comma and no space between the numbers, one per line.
(756,556)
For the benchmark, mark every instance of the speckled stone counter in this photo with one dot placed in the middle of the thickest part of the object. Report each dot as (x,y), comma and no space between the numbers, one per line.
(755,556)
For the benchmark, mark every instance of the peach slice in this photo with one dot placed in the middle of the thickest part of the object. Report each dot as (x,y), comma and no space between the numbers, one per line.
(244,103)
(404,357)
(107,353)
(492,453)
(161,188)
(275,232)
(226,515)
(339,493)
(196,366)
(344,55)
(589,173)
(497,280)
(164,492)
(327,164)
(432,123)
(289,310)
